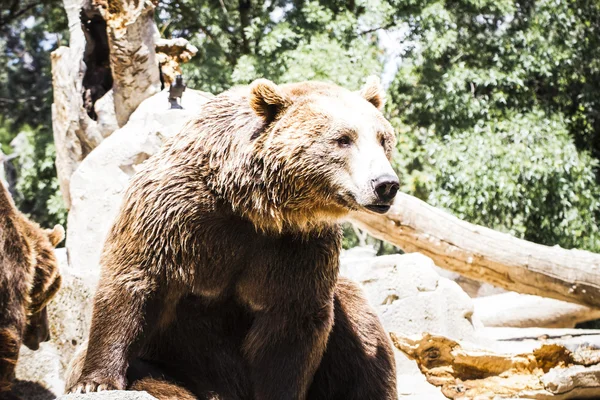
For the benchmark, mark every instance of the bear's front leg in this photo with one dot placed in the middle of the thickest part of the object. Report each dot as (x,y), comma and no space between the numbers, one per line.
(10,342)
(121,316)
(284,349)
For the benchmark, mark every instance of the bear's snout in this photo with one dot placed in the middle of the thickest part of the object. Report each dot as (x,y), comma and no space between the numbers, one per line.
(386,187)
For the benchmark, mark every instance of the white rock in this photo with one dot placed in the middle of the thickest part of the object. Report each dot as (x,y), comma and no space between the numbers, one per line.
(111,395)
(472,287)
(98,184)
(411,298)
(39,373)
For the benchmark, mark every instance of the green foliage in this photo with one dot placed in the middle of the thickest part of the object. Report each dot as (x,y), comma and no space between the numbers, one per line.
(523,175)
(282,40)
(497,107)
(37,185)
(474,59)
(29,31)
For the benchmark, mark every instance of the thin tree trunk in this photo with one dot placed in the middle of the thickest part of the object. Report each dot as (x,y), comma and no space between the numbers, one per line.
(132,35)
(109,68)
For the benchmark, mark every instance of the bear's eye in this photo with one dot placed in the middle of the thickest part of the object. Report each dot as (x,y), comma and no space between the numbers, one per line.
(344,141)
(382,142)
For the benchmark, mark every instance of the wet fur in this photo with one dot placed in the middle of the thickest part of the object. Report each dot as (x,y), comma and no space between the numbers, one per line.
(29,278)
(223,261)
(200,353)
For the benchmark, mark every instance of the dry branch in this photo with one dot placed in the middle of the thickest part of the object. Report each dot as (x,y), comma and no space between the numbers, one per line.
(525,311)
(171,54)
(487,255)
(551,371)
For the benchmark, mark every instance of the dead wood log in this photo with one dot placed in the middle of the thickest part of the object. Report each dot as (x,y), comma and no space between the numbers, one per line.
(171,54)
(487,255)
(109,68)
(75,131)
(132,35)
(550,371)
(565,336)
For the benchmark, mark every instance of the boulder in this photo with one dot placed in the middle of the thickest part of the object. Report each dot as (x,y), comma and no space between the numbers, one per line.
(98,184)
(411,298)
(472,287)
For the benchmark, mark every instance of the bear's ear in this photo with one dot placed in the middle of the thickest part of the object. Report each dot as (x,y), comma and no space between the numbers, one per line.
(56,235)
(267,99)
(373,92)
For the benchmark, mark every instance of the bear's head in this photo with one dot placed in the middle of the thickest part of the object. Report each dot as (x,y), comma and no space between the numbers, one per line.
(324,150)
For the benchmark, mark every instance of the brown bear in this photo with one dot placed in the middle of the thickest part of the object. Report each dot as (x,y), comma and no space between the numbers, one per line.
(220,273)
(29,278)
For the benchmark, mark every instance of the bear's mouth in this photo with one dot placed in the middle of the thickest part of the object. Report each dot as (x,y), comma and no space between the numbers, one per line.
(378,208)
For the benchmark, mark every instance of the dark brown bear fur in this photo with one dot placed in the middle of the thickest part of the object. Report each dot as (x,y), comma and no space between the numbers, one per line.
(199,350)
(222,266)
(29,278)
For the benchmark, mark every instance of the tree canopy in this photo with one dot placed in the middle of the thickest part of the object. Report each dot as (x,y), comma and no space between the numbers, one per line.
(499,102)
(495,103)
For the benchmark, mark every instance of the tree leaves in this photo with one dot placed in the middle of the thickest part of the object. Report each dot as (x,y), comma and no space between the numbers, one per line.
(506,91)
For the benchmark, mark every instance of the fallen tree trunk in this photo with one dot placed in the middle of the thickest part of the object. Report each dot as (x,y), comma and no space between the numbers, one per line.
(526,311)
(512,340)
(487,255)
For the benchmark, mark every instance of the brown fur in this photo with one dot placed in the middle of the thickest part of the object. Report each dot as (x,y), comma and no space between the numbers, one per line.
(357,354)
(223,261)
(373,92)
(29,278)
(163,390)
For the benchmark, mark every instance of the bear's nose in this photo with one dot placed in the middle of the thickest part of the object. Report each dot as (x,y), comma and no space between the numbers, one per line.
(386,187)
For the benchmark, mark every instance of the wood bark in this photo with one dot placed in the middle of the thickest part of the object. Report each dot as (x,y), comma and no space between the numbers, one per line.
(132,35)
(109,68)
(171,54)
(487,255)
(75,133)
(550,371)
(529,337)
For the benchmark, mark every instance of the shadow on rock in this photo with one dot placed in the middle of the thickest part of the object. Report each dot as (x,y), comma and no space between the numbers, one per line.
(31,391)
